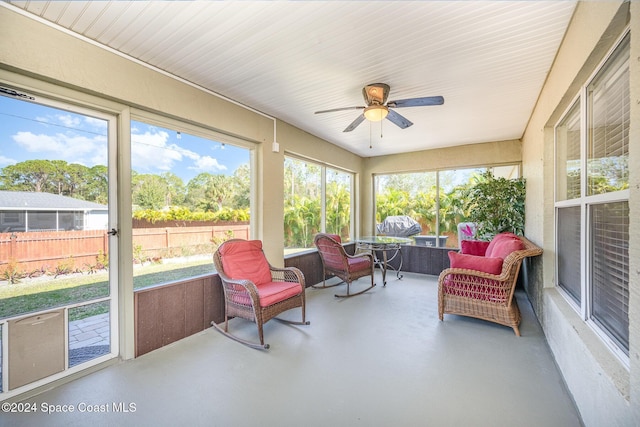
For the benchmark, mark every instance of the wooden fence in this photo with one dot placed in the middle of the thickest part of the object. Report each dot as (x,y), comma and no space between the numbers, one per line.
(31,252)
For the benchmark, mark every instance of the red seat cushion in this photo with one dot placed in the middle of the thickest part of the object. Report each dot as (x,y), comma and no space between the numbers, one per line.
(273,292)
(268,293)
(244,259)
(478,263)
(359,263)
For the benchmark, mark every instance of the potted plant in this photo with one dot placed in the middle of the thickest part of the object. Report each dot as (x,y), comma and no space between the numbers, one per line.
(496,205)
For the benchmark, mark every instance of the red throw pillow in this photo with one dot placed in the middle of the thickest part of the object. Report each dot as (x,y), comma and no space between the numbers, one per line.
(245,260)
(498,238)
(474,247)
(504,246)
(473,262)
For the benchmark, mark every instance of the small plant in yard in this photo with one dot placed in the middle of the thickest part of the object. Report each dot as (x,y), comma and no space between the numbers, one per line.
(138,255)
(217,241)
(40,271)
(102,260)
(64,267)
(12,273)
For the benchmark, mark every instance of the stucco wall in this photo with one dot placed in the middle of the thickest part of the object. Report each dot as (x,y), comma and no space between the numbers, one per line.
(605,390)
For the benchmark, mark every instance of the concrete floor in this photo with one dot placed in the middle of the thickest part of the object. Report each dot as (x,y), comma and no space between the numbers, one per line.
(378,359)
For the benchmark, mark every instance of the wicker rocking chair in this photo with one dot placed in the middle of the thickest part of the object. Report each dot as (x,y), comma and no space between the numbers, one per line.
(335,261)
(255,290)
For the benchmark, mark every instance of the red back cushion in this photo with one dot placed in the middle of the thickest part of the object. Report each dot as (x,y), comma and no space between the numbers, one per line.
(244,259)
(473,262)
(335,237)
(332,254)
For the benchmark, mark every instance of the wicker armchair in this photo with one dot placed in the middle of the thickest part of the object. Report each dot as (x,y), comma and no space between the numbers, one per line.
(484,295)
(255,290)
(335,261)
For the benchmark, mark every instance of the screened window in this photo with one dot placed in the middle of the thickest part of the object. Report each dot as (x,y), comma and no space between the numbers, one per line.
(338,203)
(434,199)
(190,192)
(601,244)
(317,199)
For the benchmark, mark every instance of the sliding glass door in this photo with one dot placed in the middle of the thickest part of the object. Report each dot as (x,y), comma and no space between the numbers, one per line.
(58,240)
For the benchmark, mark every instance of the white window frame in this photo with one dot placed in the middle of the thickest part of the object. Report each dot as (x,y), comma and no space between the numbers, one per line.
(585,201)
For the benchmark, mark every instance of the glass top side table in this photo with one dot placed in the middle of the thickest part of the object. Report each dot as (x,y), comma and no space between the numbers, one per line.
(385,245)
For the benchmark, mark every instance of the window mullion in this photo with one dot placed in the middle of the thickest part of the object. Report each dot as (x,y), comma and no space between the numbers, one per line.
(323,199)
(584,265)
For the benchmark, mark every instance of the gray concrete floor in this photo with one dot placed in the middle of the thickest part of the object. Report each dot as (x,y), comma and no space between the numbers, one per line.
(378,359)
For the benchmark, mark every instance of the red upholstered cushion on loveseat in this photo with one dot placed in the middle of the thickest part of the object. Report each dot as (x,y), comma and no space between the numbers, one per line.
(482,288)
(473,262)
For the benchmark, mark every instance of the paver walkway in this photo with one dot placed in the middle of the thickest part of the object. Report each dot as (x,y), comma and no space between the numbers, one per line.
(90,331)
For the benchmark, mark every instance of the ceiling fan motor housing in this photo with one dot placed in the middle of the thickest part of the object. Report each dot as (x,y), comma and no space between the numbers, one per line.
(376,93)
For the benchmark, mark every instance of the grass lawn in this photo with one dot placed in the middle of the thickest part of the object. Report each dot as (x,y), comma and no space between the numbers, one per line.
(31,295)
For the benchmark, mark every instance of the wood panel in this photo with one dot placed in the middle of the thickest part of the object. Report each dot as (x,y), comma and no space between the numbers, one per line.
(310,265)
(168,313)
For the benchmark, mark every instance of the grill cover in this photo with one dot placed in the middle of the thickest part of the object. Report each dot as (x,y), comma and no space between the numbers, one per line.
(399,226)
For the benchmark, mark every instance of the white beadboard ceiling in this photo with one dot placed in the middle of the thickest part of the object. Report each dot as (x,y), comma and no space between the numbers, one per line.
(288,59)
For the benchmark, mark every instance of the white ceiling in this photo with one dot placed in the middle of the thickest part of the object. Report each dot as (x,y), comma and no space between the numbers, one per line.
(288,59)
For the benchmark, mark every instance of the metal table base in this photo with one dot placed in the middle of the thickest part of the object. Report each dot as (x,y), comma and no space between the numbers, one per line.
(384,244)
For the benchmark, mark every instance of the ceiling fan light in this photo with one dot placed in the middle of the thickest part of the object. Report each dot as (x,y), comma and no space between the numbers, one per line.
(376,113)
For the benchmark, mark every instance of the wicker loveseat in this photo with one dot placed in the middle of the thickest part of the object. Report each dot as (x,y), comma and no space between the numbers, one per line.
(482,279)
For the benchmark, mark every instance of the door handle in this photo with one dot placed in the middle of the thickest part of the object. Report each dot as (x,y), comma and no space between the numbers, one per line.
(113,232)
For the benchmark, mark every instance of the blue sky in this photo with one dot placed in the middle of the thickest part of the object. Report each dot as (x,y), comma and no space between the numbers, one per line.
(31,131)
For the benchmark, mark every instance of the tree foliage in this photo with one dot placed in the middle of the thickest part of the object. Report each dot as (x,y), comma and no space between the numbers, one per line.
(228,196)
(56,177)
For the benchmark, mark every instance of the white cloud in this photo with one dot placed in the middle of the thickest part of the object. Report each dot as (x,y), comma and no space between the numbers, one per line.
(68,120)
(150,152)
(69,147)
(7,161)
(208,164)
(95,123)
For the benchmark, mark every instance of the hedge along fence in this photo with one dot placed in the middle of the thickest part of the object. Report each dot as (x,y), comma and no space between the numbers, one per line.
(51,251)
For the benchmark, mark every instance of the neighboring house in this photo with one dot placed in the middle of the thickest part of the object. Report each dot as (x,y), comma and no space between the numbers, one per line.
(29,211)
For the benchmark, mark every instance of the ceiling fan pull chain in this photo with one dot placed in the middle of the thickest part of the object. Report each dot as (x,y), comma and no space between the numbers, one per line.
(370,135)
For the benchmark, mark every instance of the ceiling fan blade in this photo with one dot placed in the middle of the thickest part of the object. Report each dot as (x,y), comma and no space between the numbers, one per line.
(339,109)
(398,120)
(355,123)
(416,102)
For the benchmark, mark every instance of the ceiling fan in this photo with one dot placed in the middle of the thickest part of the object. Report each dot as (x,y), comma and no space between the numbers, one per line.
(377,108)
